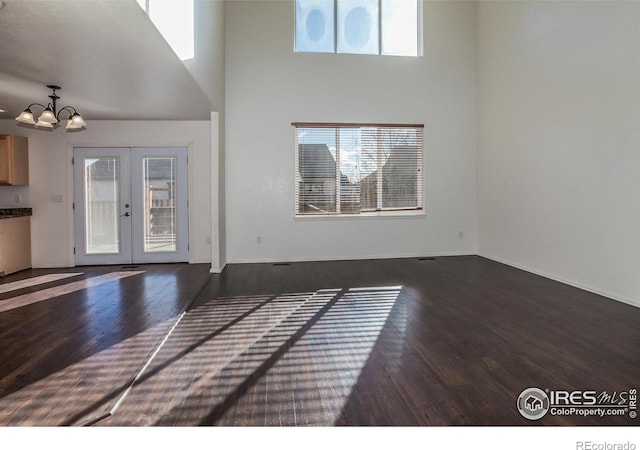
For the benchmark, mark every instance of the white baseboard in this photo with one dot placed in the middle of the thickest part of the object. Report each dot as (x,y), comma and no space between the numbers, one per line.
(54,266)
(344,258)
(217,270)
(628,301)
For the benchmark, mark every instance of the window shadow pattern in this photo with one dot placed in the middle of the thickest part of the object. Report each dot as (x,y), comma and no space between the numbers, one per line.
(287,360)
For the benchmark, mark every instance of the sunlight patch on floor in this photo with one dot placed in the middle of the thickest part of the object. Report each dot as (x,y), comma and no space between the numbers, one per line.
(35,281)
(289,360)
(285,360)
(57,291)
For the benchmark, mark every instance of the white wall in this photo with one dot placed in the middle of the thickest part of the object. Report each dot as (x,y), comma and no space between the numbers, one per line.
(269,86)
(208,69)
(51,175)
(207,66)
(14,196)
(559,129)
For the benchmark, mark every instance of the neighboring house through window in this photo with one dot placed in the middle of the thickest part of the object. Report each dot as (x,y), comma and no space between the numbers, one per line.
(358,168)
(371,27)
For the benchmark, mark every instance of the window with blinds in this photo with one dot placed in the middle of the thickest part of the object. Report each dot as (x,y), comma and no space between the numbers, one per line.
(357,168)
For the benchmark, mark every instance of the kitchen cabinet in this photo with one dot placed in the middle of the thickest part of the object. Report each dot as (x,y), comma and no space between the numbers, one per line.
(15,243)
(14,160)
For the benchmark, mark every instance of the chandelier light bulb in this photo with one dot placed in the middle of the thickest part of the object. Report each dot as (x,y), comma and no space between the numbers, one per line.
(43,124)
(48,116)
(75,122)
(26,116)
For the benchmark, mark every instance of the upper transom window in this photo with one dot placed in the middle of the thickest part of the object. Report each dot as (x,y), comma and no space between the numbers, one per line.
(368,27)
(174,19)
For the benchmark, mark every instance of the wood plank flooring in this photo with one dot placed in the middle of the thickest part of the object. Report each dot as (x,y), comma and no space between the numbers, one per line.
(67,358)
(445,341)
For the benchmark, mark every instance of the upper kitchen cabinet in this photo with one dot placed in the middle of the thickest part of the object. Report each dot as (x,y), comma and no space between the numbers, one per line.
(14,160)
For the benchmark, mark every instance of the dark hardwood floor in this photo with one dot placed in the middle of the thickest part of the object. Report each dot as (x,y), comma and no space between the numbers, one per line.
(66,356)
(444,341)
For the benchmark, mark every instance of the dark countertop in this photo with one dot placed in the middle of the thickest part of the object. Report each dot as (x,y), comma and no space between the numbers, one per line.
(8,213)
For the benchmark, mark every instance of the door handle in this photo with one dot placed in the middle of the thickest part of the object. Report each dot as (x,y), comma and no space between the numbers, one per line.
(125,214)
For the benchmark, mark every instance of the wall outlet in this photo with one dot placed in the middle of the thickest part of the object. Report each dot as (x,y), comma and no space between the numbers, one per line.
(259,240)
(460,234)
(18,198)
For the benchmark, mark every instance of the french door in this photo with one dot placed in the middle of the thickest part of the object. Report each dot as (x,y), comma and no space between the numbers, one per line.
(130,205)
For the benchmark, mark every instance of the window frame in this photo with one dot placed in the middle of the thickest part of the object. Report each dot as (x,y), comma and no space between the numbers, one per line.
(381,213)
(419,33)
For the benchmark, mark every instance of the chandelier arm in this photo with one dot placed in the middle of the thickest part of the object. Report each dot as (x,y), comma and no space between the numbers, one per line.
(37,104)
(70,109)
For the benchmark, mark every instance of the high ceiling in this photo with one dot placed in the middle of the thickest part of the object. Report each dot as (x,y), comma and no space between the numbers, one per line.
(107,56)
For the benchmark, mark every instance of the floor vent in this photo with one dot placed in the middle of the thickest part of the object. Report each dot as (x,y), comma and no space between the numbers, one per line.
(427,258)
(281,264)
(129,267)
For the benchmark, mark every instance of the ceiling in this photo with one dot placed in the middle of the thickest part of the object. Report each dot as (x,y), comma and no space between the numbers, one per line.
(107,56)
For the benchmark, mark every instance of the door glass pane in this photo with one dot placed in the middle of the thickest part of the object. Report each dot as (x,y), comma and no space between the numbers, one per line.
(159,179)
(102,229)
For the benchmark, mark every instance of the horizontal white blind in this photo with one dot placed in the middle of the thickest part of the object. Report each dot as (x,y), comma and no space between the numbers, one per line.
(355,168)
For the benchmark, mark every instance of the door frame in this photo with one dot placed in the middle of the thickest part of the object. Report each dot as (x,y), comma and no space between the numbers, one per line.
(189,151)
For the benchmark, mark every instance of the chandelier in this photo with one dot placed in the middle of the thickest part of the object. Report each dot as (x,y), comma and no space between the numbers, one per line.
(51,115)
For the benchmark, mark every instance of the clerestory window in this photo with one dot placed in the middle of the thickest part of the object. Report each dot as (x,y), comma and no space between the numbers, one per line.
(370,27)
(174,19)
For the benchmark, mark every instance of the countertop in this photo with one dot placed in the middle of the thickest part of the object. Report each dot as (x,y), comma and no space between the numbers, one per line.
(8,213)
